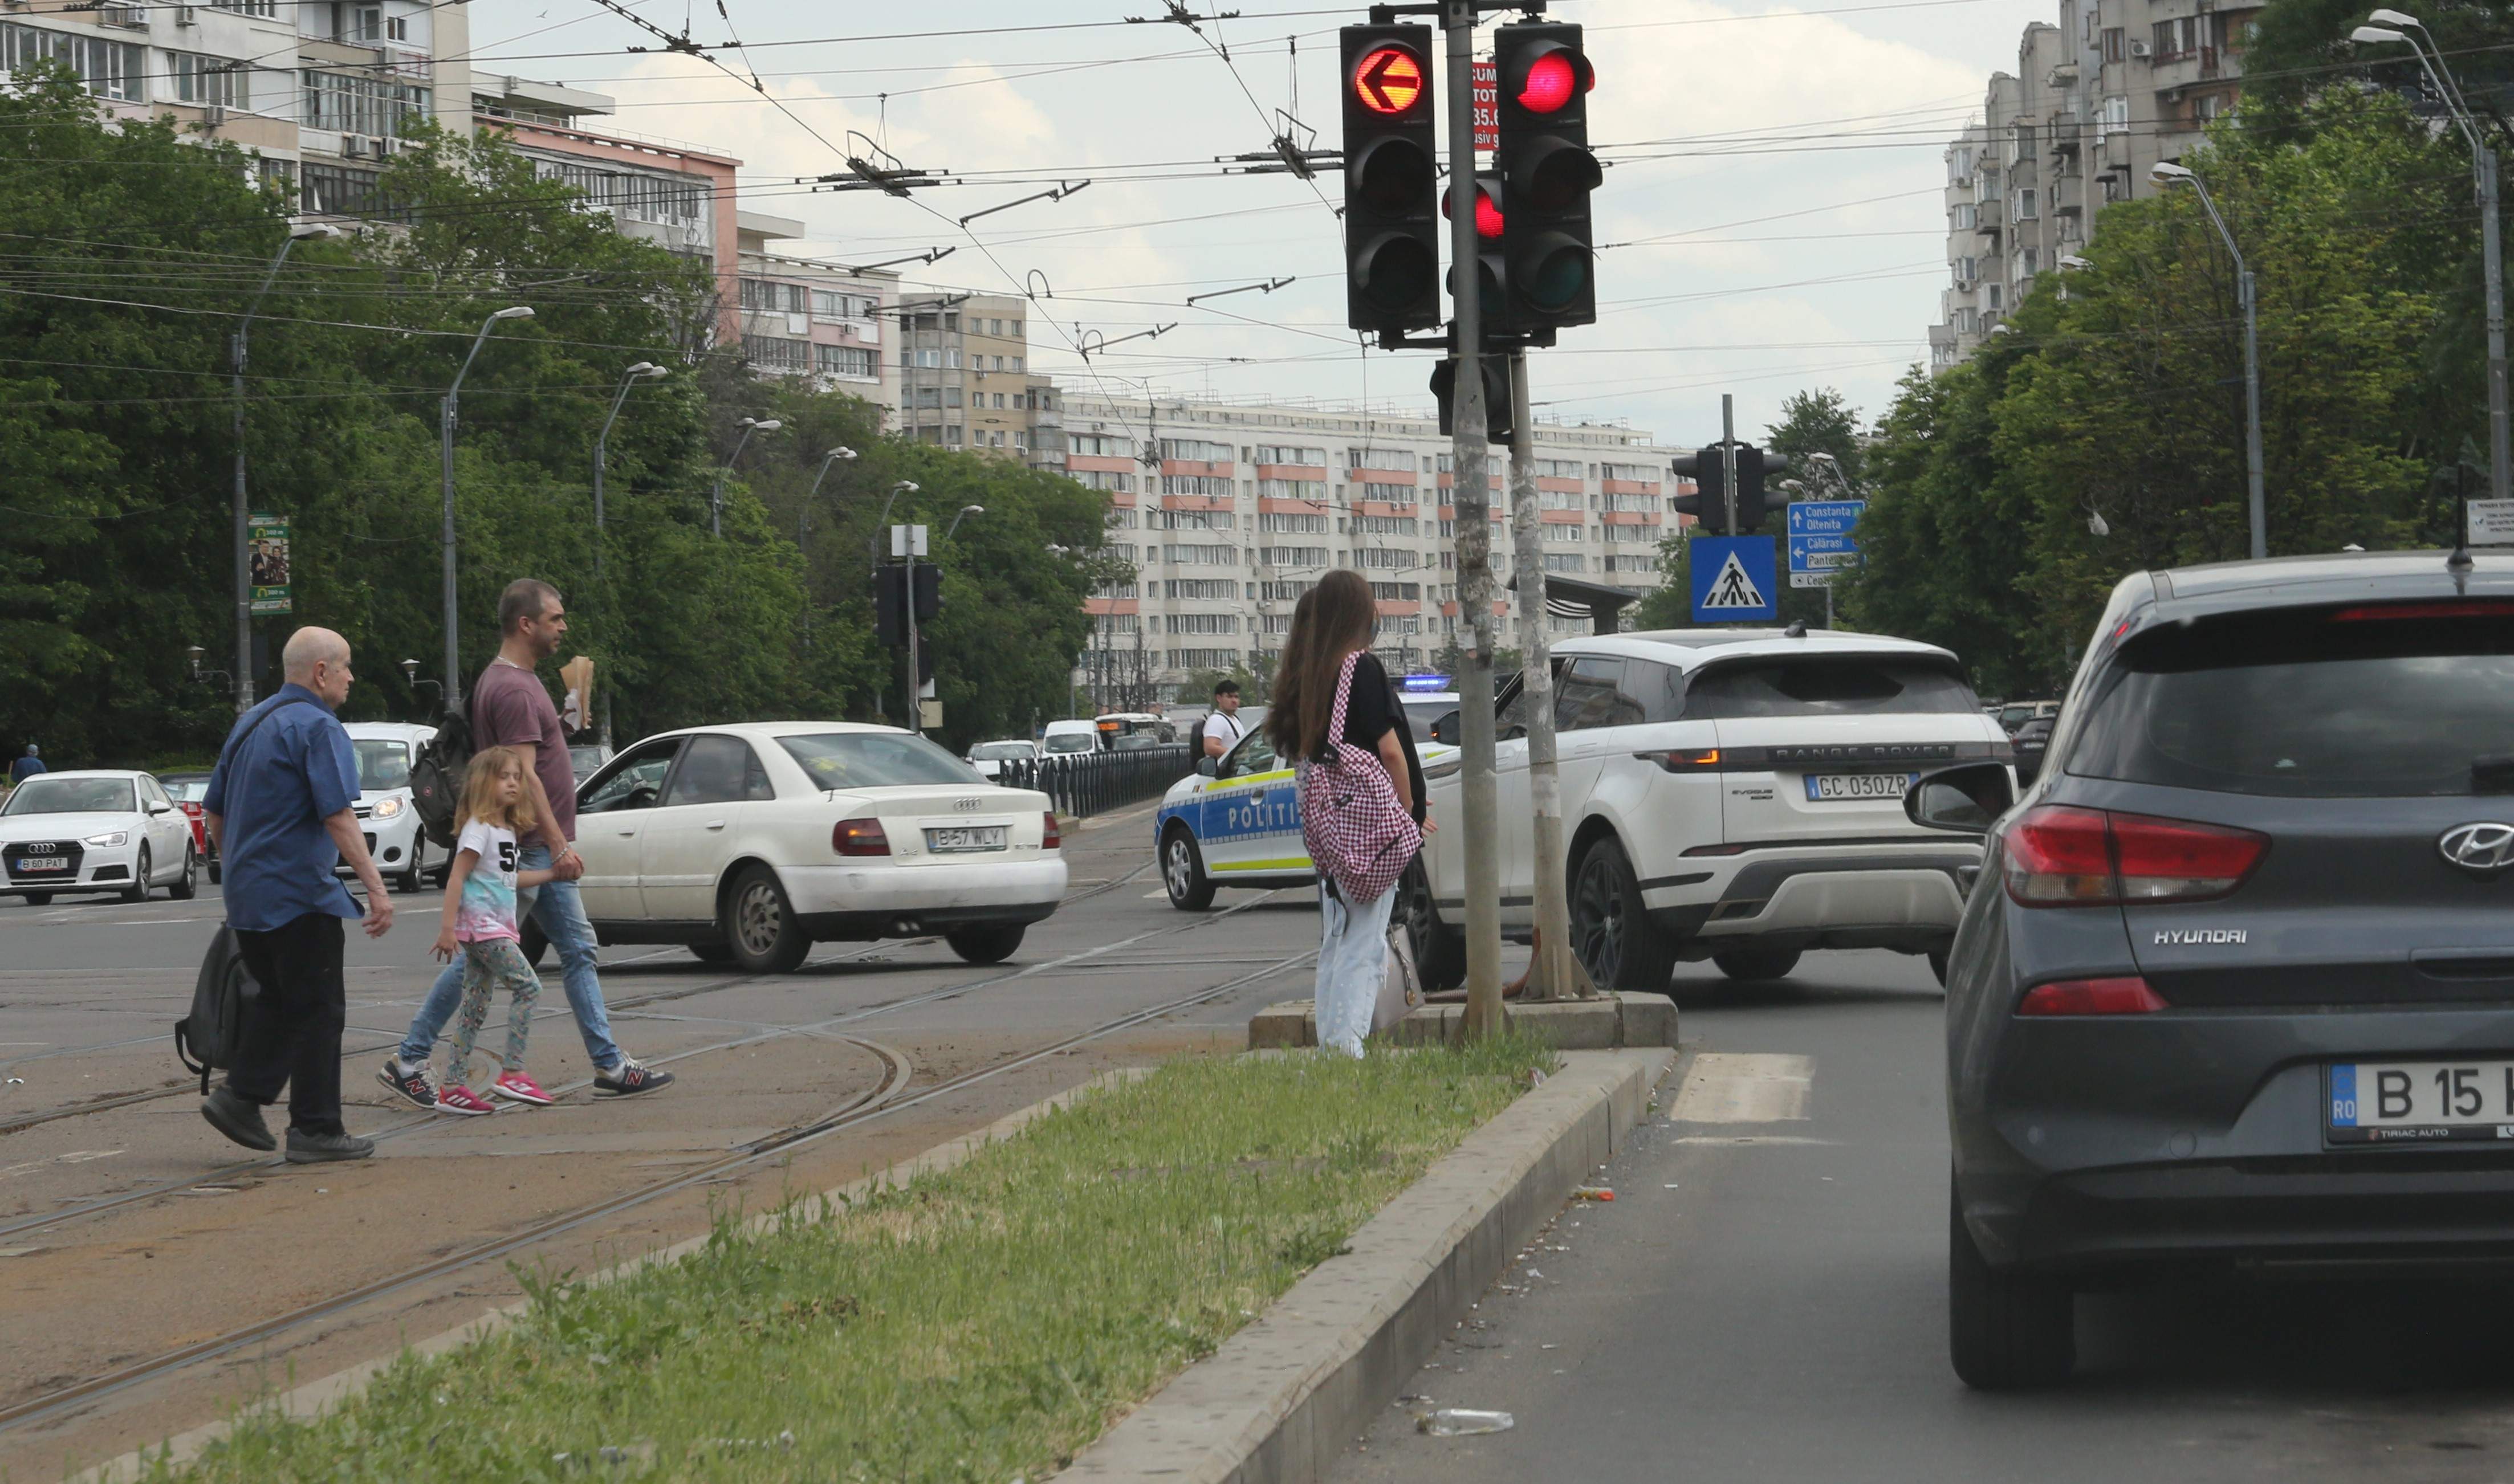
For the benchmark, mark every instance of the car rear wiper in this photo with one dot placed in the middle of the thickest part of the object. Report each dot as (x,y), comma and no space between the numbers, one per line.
(2493,773)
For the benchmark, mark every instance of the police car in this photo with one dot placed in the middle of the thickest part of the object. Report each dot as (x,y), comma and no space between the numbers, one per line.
(1241,824)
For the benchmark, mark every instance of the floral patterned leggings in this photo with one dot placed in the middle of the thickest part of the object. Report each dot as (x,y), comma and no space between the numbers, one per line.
(486,966)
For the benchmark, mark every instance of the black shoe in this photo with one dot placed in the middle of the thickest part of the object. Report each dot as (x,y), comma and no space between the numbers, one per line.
(238,1119)
(412,1086)
(628,1079)
(305,1149)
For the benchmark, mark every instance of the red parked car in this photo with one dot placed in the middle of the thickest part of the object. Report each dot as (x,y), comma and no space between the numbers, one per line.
(188,789)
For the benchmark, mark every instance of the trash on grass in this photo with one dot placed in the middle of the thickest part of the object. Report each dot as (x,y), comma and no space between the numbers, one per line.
(1462,1422)
(783,1442)
(1592,1193)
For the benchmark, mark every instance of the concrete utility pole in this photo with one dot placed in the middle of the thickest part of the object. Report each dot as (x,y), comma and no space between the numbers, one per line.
(1555,973)
(243,559)
(448,413)
(1470,499)
(2166,173)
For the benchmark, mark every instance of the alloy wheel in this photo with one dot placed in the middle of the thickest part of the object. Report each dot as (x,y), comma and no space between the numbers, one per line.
(759,918)
(1178,869)
(1597,920)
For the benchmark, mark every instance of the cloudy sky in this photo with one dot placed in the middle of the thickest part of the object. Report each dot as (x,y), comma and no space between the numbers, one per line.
(1775,171)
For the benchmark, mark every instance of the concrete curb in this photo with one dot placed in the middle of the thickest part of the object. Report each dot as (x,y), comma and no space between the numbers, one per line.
(1280,1398)
(316,1395)
(1610,1020)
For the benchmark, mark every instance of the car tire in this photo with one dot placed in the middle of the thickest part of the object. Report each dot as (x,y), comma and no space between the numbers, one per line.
(1757,963)
(2007,1329)
(39,898)
(988,944)
(137,890)
(532,942)
(711,953)
(1183,871)
(759,925)
(1939,965)
(1610,930)
(1439,950)
(188,883)
(411,882)
(214,870)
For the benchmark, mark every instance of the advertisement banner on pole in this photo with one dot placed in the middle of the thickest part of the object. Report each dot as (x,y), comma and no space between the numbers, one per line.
(266,549)
(1487,75)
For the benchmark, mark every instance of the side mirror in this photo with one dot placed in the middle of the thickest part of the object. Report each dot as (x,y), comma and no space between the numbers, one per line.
(1207,766)
(156,808)
(1445,730)
(1967,799)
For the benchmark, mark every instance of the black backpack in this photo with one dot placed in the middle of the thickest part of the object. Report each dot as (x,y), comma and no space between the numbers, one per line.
(437,775)
(206,1040)
(1195,743)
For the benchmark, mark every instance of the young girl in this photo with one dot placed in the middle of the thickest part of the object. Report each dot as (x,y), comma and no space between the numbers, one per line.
(480,918)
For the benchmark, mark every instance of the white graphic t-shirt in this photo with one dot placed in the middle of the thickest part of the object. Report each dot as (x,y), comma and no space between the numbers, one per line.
(487,910)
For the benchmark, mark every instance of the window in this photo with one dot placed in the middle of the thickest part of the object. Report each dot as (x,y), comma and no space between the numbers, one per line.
(952,430)
(247,7)
(72,795)
(1203,590)
(857,361)
(2025,204)
(1960,164)
(1204,623)
(634,779)
(362,104)
(1291,489)
(666,200)
(1591,692)
(1292,556)
(1566,561)
(951,396)
(1199,450)
(2114,118)
(718,770)
(1963,217)
(1381,524)
(1192,520)
(874,760)
(1206,485)
(1201,556)
(110,68)
(1268,453)
(1828,688)
(1284,592)
(1628,536)
(1017,363)
(1293,525)
(340,192)
(772,353)
(2114,49)
(2030,262)
(2213,105)
(1104,479)
(1635,505)
(1994,297)
(210,81)
(1381,559)
(1388,494)
(1560,499)
(1561,468)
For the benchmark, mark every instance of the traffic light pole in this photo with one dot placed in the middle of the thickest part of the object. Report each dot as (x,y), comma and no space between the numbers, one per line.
(1554,974)
(1470,499)
(1728,458)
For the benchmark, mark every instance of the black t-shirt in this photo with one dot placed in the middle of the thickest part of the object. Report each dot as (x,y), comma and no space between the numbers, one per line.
(1372,712)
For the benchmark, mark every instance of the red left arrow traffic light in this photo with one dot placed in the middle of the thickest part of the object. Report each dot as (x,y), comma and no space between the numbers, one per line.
(1391,180)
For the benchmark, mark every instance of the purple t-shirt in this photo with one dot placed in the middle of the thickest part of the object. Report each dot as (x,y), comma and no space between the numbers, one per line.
(510,709)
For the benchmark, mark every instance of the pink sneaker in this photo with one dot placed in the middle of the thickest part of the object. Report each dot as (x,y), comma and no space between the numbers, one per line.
(521,1089)
(458,1098)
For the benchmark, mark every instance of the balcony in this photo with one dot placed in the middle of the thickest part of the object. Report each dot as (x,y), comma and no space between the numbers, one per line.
(2183,70)
(1992,218)
(2069,197)
(2064,134)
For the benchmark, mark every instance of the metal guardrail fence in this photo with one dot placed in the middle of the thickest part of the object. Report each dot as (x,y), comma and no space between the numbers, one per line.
(1094,782)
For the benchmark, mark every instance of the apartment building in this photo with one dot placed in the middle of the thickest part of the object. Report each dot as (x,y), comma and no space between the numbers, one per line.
(803,318)
(317,89)
(2096,100)
(1231,510)
(964,380)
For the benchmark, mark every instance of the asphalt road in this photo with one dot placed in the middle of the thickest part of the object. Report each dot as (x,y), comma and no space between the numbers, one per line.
(1766,1299)
(122,1213)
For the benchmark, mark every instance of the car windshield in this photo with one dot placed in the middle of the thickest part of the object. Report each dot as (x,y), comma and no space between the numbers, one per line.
(998,751)
(71,795)
(1420,714)
(384,763)
(584,760)
(187,790)
(2377,701)
(1072,742)
(1134,742)
(1828,687)
(873,760)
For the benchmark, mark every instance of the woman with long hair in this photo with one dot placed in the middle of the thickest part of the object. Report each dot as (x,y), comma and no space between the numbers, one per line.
(1331,623)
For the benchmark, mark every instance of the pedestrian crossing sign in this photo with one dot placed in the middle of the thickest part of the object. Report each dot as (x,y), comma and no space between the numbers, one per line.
(1734,579)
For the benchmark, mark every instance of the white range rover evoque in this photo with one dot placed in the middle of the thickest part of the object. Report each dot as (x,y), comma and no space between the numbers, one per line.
(751,841)
(1729,795)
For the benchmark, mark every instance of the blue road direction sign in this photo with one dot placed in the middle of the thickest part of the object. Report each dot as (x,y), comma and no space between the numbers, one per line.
(1733,580)
(1822,538)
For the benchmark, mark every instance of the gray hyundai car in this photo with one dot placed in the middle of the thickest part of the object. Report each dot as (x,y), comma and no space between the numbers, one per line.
(2235,981)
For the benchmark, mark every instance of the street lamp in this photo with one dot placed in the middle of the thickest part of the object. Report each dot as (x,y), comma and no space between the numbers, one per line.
(2396,27)
(445,427)
(872,543)
(2167,174)
(643,371)
(716,503)
(965,512)
(2073,261)
(803,530)
(243,678)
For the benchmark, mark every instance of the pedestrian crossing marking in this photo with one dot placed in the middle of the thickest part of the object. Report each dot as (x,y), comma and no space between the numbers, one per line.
(1733,588)
(1729,1086)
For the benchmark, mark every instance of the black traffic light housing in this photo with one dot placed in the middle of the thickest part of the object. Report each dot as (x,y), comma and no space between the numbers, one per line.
(1497,398)
(1392,227)
(1709,471)
(1543,75)
(889,582)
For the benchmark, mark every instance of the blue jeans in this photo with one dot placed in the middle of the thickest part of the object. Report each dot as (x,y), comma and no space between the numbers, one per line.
(559,909)
(1352,964)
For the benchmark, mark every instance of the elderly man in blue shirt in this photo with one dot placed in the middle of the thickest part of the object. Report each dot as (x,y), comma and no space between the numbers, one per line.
(278,808)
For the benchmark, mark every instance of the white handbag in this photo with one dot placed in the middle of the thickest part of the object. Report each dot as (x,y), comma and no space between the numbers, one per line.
(1400,989)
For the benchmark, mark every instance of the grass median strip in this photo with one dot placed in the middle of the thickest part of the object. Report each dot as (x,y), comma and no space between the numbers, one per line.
(983,1323)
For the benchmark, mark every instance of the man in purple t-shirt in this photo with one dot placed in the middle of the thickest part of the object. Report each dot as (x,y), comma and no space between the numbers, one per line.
(509,709)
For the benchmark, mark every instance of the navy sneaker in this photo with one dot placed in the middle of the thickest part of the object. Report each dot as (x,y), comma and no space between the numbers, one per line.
(413,1087)
(628,1079)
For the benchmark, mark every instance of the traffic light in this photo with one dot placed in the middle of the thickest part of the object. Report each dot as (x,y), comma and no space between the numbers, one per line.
(889,609)
(1709,471)
(929,593)
(1444,387)
(1392,229)
(1493,272)
(1547,172)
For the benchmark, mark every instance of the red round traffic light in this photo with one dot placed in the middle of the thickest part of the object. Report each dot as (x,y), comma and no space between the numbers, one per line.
(1388,81)
(1487,213)
(1552,81)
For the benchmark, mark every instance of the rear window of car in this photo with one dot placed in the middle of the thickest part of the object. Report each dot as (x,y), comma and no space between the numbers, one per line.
(1832,686)
(997,752)
(2372,701)
(187,790)
(1072,742)
(874,760)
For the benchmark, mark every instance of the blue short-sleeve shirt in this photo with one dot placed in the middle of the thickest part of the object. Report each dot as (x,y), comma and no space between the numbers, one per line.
(271,797)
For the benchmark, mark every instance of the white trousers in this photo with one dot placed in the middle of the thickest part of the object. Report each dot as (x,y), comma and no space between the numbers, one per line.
(1353,963)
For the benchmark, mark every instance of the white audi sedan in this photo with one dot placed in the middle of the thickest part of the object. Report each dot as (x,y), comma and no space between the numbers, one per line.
(751,842)
(95,832)
(1729,795)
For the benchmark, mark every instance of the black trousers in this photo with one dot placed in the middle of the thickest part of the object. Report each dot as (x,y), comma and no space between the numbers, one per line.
(292,1029)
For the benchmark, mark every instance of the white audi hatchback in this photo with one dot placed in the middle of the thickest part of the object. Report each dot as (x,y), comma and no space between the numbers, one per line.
(753,841)
(1735,795)
(95,832)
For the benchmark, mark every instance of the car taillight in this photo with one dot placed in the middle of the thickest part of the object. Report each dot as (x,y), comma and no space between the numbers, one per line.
(2129,996)
(1687,759)
(858,837)
(2059,856)
(1049,837)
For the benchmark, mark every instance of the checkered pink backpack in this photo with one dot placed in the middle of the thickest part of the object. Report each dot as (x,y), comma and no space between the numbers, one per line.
(1358,835)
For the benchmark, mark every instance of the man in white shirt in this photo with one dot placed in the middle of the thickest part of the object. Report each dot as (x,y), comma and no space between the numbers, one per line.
(1223,728)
